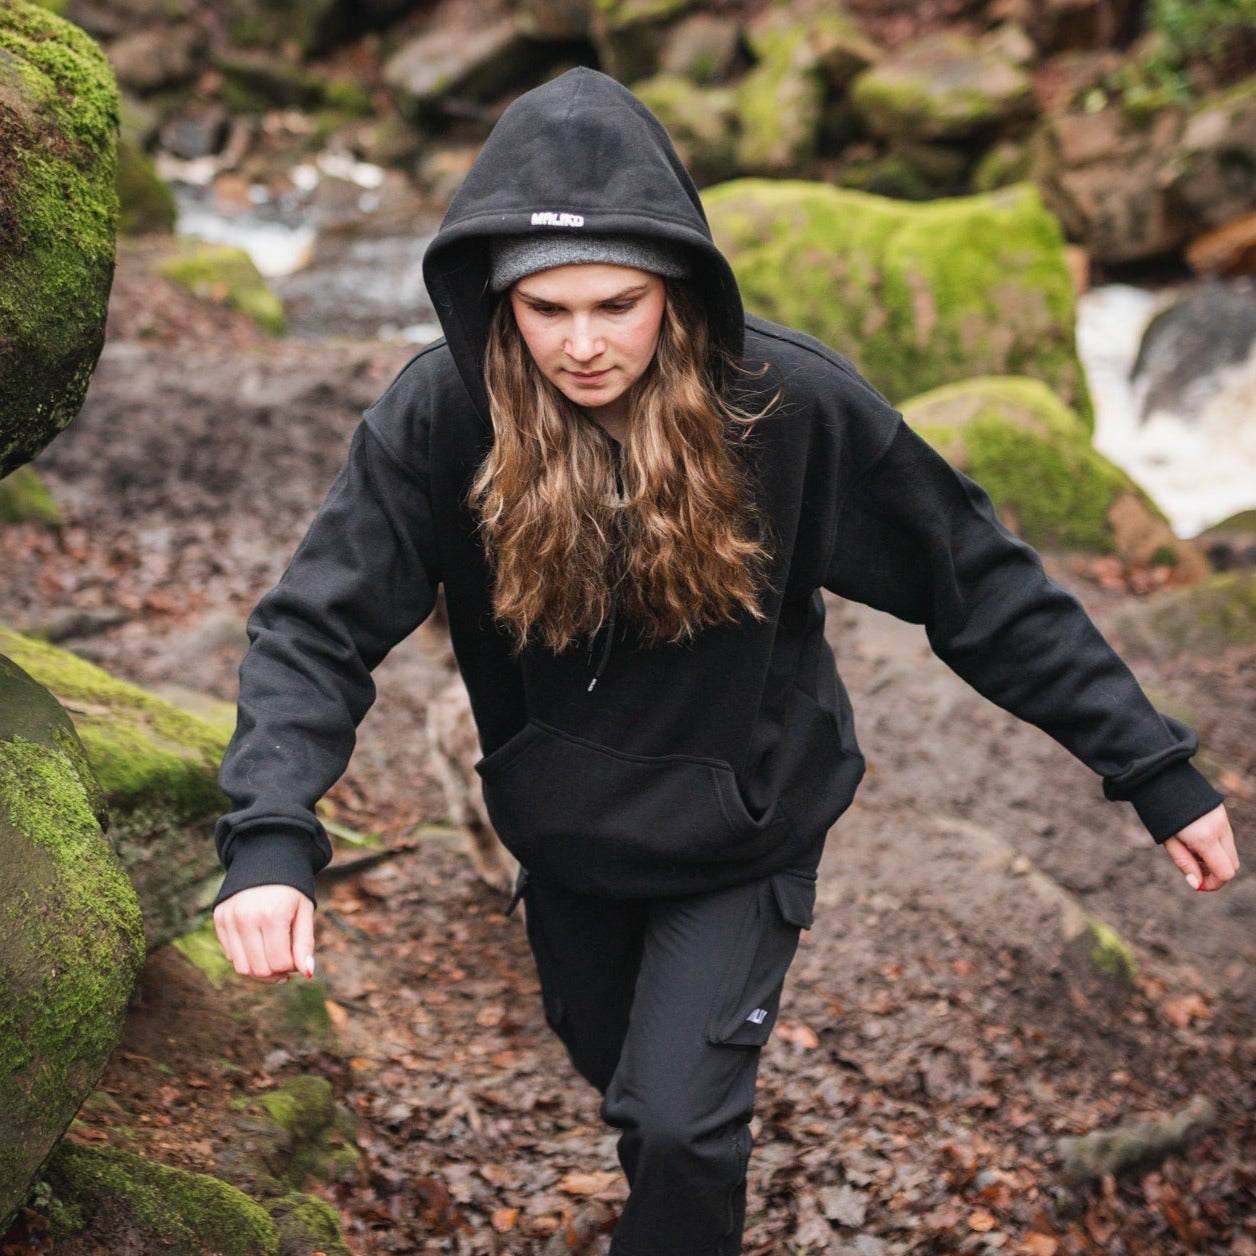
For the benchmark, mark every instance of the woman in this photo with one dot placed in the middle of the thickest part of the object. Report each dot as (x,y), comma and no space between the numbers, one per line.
(633,496)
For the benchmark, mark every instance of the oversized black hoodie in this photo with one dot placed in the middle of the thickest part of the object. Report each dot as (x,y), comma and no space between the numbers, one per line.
(687,766)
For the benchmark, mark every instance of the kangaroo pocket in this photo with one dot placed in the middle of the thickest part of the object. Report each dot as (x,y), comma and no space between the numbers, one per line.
(602,820)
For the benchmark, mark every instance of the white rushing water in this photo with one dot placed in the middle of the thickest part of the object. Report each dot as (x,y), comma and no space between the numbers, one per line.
(1198,468)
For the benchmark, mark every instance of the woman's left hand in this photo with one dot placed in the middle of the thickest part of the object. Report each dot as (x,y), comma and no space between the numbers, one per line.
(1204,851)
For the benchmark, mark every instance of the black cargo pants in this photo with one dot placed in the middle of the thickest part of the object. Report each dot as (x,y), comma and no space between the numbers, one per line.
(663,1004)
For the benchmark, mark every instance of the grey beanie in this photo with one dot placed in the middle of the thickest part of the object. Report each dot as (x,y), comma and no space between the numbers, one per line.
(515,256)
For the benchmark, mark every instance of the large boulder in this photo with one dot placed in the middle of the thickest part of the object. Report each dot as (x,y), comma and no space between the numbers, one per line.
(945,86)
(781,102)
(71,942)
(157,765)
(474,65)
(629,34)
(1216,613)
(1033,455)
(58,210)
(915,295)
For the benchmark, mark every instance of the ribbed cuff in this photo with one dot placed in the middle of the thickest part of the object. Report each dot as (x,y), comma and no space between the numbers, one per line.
(271,857)
(1170,800)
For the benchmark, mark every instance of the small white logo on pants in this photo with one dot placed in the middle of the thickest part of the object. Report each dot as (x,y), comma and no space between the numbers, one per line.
(758,1016)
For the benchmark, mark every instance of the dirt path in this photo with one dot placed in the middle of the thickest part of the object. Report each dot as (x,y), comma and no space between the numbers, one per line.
(928,1058)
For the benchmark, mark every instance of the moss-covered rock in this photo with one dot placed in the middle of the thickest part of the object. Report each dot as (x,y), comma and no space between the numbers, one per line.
(274,23)
(158,767)
(71,942)
(146,203)
(1033,455)
(130,1204)
(944,86)
(628,34)
(700,120)
(24,499)
(915,295)
(58,213)
(306,1224)
(1215,613)
(227,276)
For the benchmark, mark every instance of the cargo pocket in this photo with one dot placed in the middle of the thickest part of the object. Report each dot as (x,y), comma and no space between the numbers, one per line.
(749,992)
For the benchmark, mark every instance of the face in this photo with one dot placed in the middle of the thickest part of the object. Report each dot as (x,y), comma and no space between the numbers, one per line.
(592,329)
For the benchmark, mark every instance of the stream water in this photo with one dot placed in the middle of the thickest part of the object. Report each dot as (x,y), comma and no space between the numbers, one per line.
(364,278)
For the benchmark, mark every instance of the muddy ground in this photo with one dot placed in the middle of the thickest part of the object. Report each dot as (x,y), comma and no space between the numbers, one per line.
(932,1047)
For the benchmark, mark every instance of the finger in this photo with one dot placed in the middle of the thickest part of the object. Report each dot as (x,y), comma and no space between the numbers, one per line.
(303,937)
(277,941)
(226,935)
(256,964)
(1185,861)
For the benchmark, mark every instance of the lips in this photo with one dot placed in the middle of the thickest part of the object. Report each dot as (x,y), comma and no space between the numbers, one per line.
(589,377)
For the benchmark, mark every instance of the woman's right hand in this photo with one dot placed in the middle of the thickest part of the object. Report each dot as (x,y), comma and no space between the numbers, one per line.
(267,932)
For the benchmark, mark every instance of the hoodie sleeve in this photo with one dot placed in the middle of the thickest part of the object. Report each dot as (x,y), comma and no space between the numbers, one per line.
(917,538)
(364,577)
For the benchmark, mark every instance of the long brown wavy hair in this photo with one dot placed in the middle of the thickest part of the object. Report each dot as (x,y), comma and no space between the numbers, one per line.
(681,549)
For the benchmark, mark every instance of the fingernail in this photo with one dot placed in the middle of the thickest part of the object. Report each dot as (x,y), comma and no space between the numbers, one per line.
(1193,881)
(307,965)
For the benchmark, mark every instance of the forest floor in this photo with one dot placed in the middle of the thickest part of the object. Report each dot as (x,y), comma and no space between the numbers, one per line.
(933,1045)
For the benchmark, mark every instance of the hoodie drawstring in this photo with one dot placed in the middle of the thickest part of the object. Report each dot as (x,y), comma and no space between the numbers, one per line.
(607,645)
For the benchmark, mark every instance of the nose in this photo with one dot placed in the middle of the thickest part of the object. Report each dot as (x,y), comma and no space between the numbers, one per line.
(582,344)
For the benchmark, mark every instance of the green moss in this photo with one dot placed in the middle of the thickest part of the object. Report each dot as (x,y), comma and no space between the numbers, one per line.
(348,96)
(1243,521)
(915,295)
(24,499)
(58,209)
(779,104)
(304,1106)
(1217,612)
(202,949)
(618,14)
(218,272)
(1030,453)
(700,121)
(1110,954)
(147,204)
(139,745)
(120,1194)
(306,1224)
(71,938)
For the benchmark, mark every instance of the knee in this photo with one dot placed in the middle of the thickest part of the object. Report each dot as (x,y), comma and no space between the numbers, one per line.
(666,1131)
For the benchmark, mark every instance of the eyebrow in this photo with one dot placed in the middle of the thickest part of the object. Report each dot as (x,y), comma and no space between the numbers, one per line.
(623,295)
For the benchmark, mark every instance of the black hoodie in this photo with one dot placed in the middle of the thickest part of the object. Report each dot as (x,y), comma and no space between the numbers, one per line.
(687,767)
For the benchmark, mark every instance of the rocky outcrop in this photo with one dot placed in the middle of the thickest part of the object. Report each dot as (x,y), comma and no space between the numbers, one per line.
(915,295)
(71,942)
(157,766)
(227,276)
(702,122)
(58,209)
(1135,188)
(1218,612)
(943,87)
(1033,456)
(24,499)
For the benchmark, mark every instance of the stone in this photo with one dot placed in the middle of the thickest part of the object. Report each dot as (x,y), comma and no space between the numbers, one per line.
(58,214)
(1209,616)
(1211,173)
(158,768)
(271,24)
(146,205)
(629,34)
(700,120)
(226,275)
(553,19)
(702,48)
(1033,455)
(781,102)
(1228,250)
(470,64)
(24,499)
(915,295)
(71,942)
(134,1205)
(943,86)
(156,57)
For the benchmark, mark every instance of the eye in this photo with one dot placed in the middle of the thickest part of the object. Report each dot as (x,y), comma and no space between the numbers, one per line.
(619,307)
(543,309)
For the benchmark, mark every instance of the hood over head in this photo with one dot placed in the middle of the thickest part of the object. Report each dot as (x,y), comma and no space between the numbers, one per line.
(578,154)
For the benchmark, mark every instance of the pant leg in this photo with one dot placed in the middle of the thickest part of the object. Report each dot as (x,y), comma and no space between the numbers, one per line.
(709,984)
(587,953)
